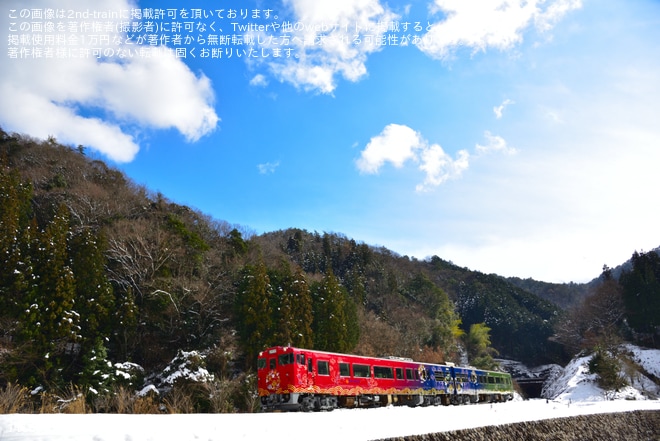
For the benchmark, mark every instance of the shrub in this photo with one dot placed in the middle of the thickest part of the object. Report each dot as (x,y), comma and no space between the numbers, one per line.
(608,370)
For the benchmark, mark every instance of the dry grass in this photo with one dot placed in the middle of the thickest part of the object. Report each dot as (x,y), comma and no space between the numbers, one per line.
(125,401)
(179,400)
(219,396)
(70,400)
(14,399)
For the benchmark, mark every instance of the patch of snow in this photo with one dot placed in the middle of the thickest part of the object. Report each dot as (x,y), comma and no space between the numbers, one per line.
(185,366)
(123,374)
(147,389)
(574,383)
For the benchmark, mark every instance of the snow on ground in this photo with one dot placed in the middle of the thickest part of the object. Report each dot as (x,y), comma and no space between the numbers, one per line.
(347,425)
(573,393)
(649,359)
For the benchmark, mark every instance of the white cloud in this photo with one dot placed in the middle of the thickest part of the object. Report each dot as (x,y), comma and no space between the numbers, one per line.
(340,24)
(440,167)
(56,97)
(482,24)
(398,144)
(494,144)
(499,110)
(38,116)
(268,167)
(259,80)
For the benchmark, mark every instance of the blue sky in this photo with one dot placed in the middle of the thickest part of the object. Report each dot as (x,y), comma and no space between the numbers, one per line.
(516,137)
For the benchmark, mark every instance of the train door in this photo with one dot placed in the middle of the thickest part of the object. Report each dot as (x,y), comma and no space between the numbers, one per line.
(452,383)
(301,370)
(310,371)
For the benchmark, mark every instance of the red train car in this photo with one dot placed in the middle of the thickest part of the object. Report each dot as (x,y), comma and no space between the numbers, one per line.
(303,379)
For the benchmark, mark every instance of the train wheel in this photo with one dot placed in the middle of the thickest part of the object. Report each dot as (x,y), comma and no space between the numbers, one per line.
(327,403)
(307,404)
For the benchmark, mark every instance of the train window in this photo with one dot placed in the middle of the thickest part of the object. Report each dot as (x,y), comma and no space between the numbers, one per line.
(300,358)
(399,374)
(285,359)
(322,368)
(344,370)
(491,380)
(383,372)
(272,364)
(261,363)
(409,374)
(310,365)
(361,370)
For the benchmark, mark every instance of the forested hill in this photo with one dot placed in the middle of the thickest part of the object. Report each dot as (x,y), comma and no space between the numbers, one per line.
(406,293)
(97,270)
(564,295)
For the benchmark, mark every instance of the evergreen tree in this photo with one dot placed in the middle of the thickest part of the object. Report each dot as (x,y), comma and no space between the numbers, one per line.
(15,262)
(238,246)
(98,373)
(125,318)
(16,271)
(253,311)
(293,312)
(282,305)
(335,328)
(608,370)
(352,322)
(94,297)
(302,310)
(50,322)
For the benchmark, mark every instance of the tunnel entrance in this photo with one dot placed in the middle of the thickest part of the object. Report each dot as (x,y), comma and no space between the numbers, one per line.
(531,387)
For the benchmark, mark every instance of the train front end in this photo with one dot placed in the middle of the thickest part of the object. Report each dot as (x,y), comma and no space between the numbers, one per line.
(282,375)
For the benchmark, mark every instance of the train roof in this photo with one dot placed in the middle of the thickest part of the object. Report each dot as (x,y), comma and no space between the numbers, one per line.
(366,357)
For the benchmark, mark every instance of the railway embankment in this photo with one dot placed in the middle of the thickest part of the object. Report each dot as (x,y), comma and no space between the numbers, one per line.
(640,425)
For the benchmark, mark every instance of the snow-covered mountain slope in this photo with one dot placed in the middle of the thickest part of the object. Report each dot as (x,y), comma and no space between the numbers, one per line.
(574,383)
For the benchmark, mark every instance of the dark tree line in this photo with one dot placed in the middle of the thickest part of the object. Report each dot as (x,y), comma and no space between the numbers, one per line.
(55,298)
(279,307)
(641,297)
(627,309)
